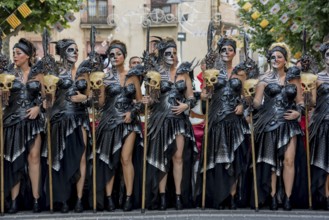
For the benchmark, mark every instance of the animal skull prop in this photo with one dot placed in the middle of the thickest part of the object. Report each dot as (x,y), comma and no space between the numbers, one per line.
(211,77)
(96,80)
(50,83)
(308,81)
(6,82)
(153,79)
(249,87)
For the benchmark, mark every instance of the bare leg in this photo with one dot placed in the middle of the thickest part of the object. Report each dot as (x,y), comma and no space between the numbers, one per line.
(163,183)
(273,183)
(15,191)
(109,187)
(327,186)
(233,189)
(81,181)
(289,166)
(126,162)
(178,163)
(34,166)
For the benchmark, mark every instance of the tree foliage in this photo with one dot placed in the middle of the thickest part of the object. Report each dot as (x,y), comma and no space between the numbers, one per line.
(44,14)
(312,15)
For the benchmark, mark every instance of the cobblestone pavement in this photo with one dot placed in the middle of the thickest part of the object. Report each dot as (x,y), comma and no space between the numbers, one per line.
(208,214)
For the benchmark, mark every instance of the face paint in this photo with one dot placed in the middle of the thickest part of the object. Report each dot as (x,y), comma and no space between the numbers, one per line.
(169,55)
(116,56)
(72,53)
(277,60)
(227,53)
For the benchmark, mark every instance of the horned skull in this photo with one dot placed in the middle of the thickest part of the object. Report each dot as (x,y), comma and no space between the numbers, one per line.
(308,81)
(50,83)
(249,87)
(6,82)
(211,77)
(96,80)
(153,79)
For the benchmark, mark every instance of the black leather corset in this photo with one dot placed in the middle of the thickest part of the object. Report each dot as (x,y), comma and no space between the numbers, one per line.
(121,98)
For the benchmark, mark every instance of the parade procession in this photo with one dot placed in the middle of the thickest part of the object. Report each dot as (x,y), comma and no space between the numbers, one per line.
(94,134)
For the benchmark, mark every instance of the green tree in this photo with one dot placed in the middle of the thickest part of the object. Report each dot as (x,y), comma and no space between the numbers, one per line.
(44,14)
(286,23)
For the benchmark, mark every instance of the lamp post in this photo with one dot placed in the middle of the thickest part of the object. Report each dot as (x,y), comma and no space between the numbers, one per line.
(181,36)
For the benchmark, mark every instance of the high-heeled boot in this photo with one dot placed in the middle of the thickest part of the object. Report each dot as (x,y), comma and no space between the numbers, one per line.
(327,203)
(179,204)
(163,201)
(36,206)
(65,207)
(128,204)
(232,202)
(274,203)
(78,206)
(110,204)
(287,204)
(13,206)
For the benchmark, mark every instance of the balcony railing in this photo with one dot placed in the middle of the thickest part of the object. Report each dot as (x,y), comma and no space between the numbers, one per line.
(95,15)
(158,18)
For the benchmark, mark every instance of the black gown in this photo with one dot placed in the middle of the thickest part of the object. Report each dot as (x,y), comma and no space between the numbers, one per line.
(19,131)
(319,140)
(163,126)
(111,134)
(67,120)
(227,147)
(272,135)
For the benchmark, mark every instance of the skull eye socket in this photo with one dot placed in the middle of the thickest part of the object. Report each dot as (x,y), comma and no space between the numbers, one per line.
(167,54)
(213,80)
(2,85)
(9,85)
(99,82)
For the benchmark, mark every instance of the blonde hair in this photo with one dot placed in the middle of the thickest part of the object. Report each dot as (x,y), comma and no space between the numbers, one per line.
(283,46)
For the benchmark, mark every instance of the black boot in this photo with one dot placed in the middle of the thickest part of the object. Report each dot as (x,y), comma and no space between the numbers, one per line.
(163,202)
(65,208)
(110,204)
(78,206)
(274,203)
(327,203)
(13,206)
(286,204)
(128,204)
(232,202)
(36,206)
(179,204)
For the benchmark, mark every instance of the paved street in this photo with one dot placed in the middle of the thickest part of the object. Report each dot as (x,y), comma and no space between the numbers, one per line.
(208,214)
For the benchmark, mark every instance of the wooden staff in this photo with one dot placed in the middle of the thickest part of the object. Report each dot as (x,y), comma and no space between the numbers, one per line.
(50,162)
(94,155)
(205,149)
(145,124)
(145,152)
(2,156)
(307,96)
(253,159)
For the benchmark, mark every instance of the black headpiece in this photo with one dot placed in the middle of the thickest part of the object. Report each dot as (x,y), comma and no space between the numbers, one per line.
(323,48)
(4,63)
(293,73)
(249,66)
(277,48)
(226,41)
(47,65)
(62,45)
(26,46)
(137,70)
(186,67)
(163,44)
(118,46)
